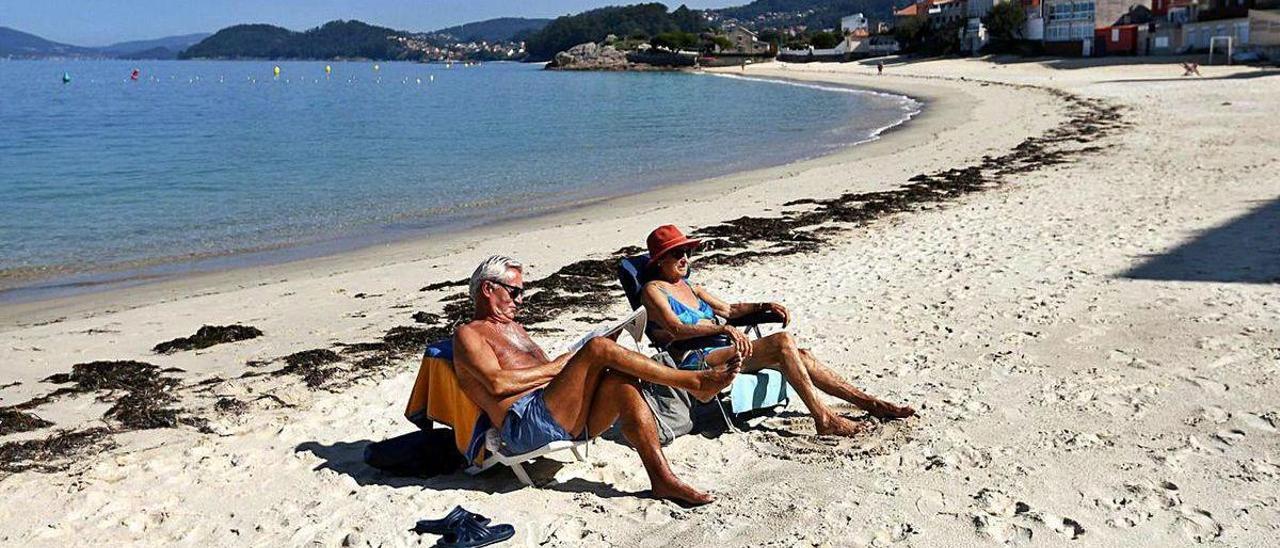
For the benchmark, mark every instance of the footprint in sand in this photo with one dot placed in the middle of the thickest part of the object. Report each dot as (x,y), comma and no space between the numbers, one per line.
(1001,530)
(1230,436)
(1067,527)
(1198,525)
(931,502)
(883,535)
(1261,423)
(1140,502)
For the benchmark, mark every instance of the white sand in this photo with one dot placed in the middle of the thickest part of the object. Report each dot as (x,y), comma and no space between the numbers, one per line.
(1057,394)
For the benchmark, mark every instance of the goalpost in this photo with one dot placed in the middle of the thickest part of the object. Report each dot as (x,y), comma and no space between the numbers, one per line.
(1214,40)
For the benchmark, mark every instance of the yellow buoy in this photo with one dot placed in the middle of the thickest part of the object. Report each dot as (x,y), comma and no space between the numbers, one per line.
(276,70)
(328,70)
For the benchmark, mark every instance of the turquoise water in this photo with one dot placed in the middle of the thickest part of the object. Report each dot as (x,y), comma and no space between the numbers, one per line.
(204,164)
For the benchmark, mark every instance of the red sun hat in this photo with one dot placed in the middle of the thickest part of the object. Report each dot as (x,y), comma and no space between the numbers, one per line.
(668,238)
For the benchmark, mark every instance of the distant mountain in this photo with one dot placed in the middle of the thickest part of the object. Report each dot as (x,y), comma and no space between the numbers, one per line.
(816,14)
(15,43)
(504,29)
(161,48)
(333,40)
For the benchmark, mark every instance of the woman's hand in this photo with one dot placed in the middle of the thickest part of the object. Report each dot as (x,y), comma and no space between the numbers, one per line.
(739,340)
(780,310)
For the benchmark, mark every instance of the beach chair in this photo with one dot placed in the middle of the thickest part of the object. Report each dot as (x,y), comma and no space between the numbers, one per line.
(763,389)
(436,397)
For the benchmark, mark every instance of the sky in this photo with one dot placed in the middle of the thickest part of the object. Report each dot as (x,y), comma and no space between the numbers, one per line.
(104,22)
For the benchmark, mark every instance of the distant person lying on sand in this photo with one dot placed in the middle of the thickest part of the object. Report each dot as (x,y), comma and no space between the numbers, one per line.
(534,400)
(1191,68)
(686,311)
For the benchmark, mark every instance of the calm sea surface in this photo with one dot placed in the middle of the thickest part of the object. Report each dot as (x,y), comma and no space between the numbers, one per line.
(202,165)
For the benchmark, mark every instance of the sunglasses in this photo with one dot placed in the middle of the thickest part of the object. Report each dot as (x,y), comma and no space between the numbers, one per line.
(680,254)
(512,290)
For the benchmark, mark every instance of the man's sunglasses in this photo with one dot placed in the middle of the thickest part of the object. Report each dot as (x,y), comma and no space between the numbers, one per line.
(512,290)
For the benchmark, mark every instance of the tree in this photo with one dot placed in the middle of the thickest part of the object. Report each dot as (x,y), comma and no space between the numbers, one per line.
(675,40)
(721,41)
(825,40)
(1004,22)
(910,31)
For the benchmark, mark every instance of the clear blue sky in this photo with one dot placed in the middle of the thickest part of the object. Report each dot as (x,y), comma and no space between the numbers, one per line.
(102,22)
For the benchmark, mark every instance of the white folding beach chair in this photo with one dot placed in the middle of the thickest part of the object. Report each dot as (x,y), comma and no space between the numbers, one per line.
(493,442)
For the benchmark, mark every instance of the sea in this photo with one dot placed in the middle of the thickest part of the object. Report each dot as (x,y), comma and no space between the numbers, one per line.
(109,180)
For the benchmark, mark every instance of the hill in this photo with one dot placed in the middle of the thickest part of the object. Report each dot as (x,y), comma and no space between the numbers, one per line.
(593,26)
(335,39)
(15,43)
(504,29)
(815,14)
(160,48)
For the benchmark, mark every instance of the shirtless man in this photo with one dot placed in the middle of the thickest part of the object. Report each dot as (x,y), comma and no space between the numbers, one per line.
(533,400)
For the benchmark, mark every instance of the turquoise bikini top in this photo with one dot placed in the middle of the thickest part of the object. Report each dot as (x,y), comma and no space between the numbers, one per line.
(689,316)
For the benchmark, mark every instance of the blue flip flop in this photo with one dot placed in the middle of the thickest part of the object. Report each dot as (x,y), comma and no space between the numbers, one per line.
(449,522)
(471,534)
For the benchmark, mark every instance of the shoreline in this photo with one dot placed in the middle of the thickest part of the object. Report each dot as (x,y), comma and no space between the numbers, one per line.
(85,294)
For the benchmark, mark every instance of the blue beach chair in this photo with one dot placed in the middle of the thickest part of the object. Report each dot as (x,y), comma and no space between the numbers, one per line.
(750,391)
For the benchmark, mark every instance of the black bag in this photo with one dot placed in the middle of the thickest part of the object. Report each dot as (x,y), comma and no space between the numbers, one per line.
(424,453)
(670,406)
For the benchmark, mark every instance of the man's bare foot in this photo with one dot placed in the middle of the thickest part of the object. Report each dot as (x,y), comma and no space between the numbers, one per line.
(712,381)
(681,493)
(839,426)
(886,410)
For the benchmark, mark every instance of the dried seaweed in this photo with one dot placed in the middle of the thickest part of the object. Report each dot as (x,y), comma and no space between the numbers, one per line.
(13,421)
(230,406)
(441,285)
(426,317)
(147,391)
(207,336)
(52,454)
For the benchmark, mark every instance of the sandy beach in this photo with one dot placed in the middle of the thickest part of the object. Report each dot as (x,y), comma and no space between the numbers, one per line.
(1072,268)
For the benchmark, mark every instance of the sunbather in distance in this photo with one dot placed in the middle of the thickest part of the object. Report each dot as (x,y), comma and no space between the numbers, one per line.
(534,400)
(684,311)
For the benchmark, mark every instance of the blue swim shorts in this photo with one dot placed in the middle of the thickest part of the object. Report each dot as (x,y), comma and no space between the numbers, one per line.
(529,425)
(697,359)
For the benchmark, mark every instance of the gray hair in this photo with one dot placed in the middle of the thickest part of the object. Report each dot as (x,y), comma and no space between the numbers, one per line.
(494,268)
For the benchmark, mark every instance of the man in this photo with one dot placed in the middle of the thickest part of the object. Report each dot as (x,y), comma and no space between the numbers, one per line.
(533,400)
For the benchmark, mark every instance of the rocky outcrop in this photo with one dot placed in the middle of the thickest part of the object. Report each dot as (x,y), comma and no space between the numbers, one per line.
(590,56)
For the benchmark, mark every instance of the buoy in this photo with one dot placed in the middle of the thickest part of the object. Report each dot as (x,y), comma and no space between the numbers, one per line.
(328,70)
(377,67)
(419,81)
(66,77)
(135,74)
(431,78)
(277,70)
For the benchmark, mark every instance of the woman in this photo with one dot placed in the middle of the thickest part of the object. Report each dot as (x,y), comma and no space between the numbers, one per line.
(685,311)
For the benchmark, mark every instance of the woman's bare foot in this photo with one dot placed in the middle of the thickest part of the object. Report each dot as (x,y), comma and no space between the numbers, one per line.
(712,381)
(839,426)
(886,410)
(681,493)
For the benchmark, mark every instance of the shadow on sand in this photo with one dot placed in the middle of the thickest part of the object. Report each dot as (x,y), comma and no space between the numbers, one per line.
(1244,250)
(347,458)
